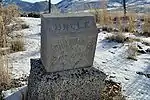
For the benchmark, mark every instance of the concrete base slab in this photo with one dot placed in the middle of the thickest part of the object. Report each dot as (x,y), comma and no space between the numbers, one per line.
(77,84)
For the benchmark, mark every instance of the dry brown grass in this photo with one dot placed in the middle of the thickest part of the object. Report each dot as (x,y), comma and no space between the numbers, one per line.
(24,26)
(4,72)
(118,37)
(9,23)
(115,20)
(5,79)
(112,91)
(131,24)
(2,31)
(17,45)
(9,13)
(7,16)
(146,26)
(132,52)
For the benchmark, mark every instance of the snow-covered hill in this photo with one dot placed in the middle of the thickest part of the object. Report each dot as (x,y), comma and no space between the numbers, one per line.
(73,5)
(76,5)
(27,6)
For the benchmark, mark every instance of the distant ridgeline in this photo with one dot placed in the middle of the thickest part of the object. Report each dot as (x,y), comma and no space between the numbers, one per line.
(63,6)
(27,6)
(76,5)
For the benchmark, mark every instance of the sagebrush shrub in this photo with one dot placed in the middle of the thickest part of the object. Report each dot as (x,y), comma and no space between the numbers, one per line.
(132,52)
(5,79)
(17,45)
(24,26)
(119,37)
(7,14)
(146,26)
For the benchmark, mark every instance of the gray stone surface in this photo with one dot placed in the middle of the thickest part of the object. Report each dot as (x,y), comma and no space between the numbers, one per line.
(68,41)
(78,84)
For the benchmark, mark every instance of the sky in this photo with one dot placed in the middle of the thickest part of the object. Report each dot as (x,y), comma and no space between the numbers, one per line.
(53,1)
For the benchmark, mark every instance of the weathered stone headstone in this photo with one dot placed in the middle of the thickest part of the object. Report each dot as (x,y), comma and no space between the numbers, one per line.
(68,41)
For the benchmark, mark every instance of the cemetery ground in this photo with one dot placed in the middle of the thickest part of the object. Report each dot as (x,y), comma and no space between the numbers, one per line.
(127,63)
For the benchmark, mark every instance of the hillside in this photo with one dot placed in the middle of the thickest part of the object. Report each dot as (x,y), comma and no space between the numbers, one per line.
(27,6)
(78,5)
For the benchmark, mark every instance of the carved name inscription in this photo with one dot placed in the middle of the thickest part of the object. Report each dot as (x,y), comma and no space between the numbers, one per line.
(73,52)
(71,27)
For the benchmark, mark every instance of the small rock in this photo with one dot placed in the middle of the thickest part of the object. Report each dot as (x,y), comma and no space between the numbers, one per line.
(126,78)
(132,58)
(147,75)
(112,76)
(142,51)
(140,73)
(131,64)
(103,62)
(139,47)
(111,52)
(114,47)
(148,50)
(146,43)
(99,30)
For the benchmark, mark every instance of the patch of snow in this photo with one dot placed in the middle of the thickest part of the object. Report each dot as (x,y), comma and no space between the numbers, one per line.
(113,61)
(15,94)
(20,61)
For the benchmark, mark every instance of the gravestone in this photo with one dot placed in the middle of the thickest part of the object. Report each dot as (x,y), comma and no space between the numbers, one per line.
(67,41)
(66,70)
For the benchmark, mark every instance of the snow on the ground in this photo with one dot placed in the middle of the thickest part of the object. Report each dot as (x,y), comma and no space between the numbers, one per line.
(111,57)
(16,94)
(20,61)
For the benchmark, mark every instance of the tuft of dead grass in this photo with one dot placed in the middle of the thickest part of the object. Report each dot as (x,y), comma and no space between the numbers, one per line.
(119,37)
(7,16)
(9,23)
(146,26)
(5,79)
(24,26)
(112,91)
(17,45)
(116,20)
(132,52)
(96,14)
